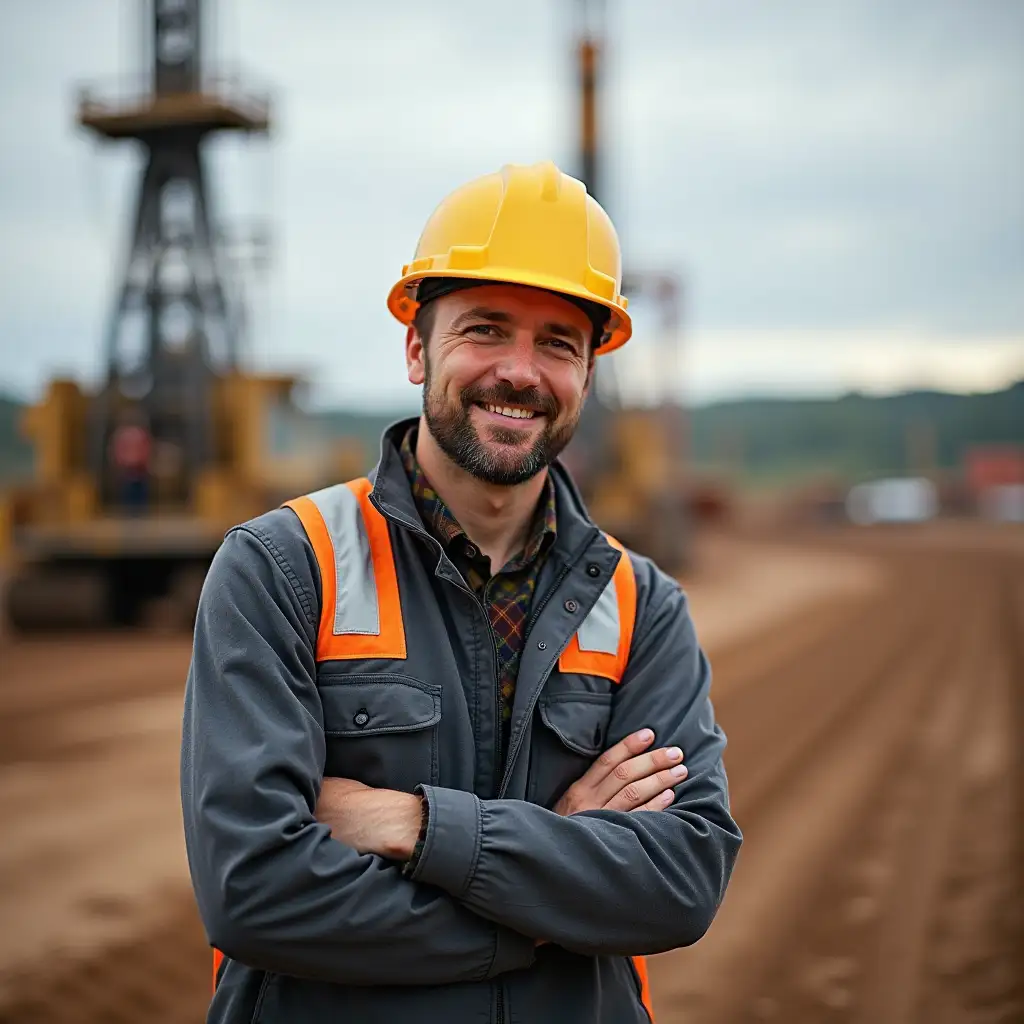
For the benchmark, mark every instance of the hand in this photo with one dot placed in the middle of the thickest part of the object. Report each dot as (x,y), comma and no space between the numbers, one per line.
(624,778)
(382,821)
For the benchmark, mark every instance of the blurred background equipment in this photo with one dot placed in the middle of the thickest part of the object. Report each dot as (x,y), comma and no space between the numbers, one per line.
(899,500)
(629,462)
(136,483)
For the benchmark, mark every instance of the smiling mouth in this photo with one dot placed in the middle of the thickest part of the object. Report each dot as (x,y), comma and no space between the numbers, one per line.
(509,411)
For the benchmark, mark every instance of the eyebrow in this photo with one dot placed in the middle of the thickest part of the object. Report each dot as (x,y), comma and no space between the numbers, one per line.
(481,313)
(500,317)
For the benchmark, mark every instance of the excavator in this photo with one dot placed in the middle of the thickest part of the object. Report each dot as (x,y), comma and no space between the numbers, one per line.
(137,480)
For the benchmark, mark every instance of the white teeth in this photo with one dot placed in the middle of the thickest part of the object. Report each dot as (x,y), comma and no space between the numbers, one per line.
(516,414)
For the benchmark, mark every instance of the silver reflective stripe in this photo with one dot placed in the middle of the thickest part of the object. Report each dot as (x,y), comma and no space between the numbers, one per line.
(600,629)
(356,610)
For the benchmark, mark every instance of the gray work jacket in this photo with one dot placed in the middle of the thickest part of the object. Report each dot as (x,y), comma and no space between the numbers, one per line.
(313,931)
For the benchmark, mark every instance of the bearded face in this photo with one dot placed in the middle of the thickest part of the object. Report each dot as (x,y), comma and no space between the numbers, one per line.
(503,453)
(505,373)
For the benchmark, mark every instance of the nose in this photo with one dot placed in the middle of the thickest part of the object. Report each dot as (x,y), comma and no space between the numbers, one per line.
(517,364)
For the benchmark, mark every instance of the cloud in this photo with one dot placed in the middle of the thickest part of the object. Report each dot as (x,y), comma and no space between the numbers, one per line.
(829,171)
(716,364)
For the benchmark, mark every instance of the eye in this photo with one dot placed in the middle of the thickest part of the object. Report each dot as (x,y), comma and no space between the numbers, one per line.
(487,330)
(561,343)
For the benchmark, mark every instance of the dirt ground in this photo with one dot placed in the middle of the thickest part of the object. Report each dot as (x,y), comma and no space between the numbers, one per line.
(872,687)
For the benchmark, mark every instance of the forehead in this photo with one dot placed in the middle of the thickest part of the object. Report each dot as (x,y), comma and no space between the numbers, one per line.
(521,303)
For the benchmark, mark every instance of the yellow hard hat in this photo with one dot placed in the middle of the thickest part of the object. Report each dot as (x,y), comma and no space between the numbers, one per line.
(534,226)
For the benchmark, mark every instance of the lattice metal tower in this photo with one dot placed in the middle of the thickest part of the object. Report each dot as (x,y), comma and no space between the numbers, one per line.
(173,328)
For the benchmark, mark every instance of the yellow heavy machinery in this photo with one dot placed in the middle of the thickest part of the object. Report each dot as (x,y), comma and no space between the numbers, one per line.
(137,481)
(73,556)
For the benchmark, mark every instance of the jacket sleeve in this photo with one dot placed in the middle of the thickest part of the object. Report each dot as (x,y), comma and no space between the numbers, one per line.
(607,882)
(274,890)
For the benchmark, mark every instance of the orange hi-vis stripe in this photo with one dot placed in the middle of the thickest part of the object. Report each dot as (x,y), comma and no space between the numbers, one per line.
(600,647)
(361,612)
(640,963)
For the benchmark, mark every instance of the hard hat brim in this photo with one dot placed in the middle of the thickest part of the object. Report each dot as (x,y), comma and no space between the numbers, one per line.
(403,305)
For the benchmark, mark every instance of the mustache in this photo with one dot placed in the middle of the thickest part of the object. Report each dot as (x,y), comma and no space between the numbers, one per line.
(505,394)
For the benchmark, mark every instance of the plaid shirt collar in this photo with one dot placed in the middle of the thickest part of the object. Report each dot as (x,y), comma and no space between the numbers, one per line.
(439,519)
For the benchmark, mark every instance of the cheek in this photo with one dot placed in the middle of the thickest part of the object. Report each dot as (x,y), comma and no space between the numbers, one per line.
(465,367)
(567,386)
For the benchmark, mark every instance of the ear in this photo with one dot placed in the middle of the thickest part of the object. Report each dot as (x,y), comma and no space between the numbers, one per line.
(415,356)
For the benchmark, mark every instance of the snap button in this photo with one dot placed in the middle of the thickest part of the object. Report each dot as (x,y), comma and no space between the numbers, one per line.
(471,551)
(571,606)
(361,718)
(593,570)
(541,645)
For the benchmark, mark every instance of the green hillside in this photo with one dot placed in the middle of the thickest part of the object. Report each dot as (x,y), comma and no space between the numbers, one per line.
(855,436)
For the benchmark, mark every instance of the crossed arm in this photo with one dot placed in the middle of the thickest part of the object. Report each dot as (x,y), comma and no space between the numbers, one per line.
(626,777)
(277,890)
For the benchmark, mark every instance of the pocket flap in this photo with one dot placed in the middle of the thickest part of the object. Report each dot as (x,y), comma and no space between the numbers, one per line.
(371,705)
(580,720)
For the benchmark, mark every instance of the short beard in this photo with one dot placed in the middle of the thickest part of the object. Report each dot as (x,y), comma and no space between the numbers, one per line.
(451,427)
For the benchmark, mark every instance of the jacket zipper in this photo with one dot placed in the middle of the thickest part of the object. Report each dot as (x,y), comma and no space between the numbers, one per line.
(499,725)
(500,767)
(566,569)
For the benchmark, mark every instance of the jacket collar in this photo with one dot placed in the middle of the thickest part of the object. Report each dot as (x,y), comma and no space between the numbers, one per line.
(393,495)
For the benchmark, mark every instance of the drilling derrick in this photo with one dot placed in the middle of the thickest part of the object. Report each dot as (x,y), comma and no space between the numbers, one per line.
(172,329)
(136,482)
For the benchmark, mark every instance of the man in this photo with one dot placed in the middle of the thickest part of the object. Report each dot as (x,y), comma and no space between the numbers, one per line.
(130,452)
(435,721)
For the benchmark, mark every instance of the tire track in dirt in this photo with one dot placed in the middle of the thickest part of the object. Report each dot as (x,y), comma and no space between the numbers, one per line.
(795,796)
(881,876)
(977,934)
(161,978)
(858,954)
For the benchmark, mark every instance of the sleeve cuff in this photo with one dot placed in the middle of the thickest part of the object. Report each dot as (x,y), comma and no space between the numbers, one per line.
(452,842)
(410,865)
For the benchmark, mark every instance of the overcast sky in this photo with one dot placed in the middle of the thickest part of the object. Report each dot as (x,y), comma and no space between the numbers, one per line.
(840,185)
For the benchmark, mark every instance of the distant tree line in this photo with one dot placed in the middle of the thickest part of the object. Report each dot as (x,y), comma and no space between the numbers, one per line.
(856,436)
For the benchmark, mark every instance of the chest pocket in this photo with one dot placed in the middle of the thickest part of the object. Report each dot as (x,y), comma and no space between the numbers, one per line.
(574,726)
(381,730)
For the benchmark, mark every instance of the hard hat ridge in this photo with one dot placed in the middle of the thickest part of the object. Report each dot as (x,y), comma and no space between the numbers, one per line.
(528,225)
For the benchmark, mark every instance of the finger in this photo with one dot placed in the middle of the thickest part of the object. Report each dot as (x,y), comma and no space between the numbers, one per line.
(632,745)
(637,793)
(640,767)
(659,803)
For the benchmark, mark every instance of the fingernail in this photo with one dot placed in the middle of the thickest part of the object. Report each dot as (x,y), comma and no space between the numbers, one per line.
(646,736)
(667,797)
(674,753)
(678,772)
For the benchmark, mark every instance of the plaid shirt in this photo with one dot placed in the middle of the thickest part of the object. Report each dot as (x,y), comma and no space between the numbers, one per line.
(508,594)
